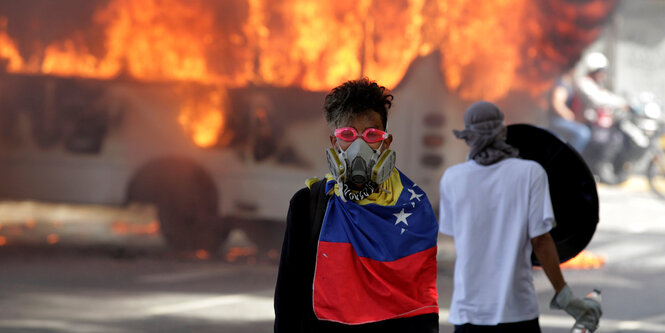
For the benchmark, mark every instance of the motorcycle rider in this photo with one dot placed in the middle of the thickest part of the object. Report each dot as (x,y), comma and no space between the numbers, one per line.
(600,106)
(591,86)
(565,109)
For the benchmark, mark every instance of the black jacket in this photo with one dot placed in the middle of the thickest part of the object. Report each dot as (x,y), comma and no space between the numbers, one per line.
(294,312)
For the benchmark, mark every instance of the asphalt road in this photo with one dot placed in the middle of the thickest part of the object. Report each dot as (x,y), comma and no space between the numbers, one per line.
(111,287)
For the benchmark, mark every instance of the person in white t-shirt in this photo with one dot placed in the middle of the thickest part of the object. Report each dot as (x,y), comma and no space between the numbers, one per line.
(497,207)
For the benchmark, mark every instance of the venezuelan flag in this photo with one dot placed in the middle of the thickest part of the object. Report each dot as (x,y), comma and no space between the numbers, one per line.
(376,258)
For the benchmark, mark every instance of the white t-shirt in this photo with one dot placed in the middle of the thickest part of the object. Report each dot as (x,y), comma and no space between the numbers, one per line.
(493,212)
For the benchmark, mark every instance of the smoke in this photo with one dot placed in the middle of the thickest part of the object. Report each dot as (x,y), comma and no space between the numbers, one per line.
(33,24)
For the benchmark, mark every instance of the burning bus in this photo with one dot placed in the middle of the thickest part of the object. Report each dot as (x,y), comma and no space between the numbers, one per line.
(212,111)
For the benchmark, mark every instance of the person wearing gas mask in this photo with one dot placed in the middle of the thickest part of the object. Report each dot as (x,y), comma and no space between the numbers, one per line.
(359,251)
(497,208)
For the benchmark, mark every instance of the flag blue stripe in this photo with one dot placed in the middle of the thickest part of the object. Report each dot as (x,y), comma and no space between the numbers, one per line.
(377,232)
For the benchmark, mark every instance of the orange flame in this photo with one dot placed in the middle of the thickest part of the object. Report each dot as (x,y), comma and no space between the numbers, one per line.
(30,224)
(293,41)
(150,39)
(70,59)
(237,252)
(8,48)
(164,39)
(125,228)
(3,240)
(584,260)
(52,239)
(203,118)
(202,254)
(487,49)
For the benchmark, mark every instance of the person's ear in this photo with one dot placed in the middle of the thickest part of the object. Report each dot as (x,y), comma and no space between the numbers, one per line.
(333,140)
(388,141)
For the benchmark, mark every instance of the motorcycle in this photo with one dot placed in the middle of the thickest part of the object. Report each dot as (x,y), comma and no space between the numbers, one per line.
(621,138)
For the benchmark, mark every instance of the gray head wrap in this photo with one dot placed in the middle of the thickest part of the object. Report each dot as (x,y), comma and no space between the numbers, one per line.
(485,133)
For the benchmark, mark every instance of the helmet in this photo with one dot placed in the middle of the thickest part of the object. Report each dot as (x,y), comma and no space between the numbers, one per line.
(595,61)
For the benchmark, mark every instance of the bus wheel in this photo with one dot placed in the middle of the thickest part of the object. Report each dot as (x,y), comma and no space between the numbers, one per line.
(186,200)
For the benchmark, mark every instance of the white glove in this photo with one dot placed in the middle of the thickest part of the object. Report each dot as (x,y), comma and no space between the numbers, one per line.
(586,311)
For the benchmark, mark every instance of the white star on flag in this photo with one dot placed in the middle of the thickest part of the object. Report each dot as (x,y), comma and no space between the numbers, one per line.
(414,195)
(401,217)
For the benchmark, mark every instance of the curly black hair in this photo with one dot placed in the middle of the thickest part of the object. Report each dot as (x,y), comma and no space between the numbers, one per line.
(355,97)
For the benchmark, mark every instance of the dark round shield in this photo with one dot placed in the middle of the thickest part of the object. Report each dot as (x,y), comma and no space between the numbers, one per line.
(572,187)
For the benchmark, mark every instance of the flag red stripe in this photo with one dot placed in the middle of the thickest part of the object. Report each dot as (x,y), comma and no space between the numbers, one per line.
(361,290)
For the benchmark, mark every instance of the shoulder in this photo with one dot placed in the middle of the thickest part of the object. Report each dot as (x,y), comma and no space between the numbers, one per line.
(311,195)
(312,184)
(455,173)
(301,196)
(534,167)
(531,169)
(459,168)
(524,163)
(445,178)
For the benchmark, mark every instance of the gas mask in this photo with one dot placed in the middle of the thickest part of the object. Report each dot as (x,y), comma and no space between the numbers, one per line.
(360,164)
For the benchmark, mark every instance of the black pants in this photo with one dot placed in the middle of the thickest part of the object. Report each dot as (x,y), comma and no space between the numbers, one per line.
(529,326)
